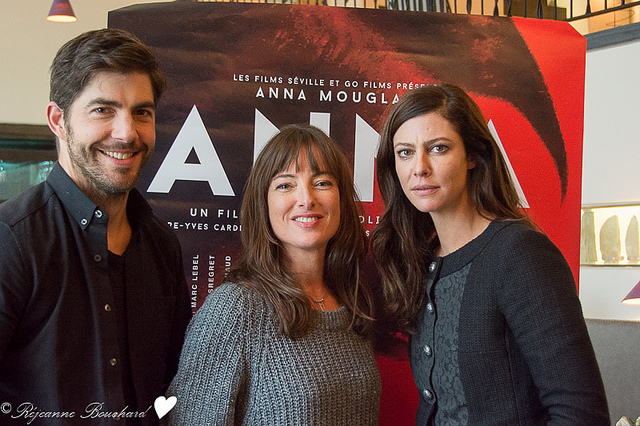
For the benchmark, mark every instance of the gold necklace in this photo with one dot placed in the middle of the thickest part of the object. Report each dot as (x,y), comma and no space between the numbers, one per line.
(320,302)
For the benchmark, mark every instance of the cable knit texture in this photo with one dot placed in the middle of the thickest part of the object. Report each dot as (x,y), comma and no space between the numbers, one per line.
(237,368)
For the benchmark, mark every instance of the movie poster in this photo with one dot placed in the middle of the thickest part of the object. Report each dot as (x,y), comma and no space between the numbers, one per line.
(237,72)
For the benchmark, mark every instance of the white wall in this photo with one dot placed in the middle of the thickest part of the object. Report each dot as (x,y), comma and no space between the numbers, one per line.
(611,166)
(28,44)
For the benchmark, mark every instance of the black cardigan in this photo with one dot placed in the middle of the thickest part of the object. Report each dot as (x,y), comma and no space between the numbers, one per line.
(524,354)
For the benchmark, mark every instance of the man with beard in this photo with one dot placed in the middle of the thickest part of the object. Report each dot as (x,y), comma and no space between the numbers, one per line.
(93,298)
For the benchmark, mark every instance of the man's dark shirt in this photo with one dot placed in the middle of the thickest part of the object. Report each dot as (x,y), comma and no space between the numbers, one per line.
(117,276)
(59,348)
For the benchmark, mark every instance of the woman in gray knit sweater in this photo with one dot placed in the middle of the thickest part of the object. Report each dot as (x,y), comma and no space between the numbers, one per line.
(285,340)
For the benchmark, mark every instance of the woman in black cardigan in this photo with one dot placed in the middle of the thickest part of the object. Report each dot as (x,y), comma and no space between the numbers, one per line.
(497,332)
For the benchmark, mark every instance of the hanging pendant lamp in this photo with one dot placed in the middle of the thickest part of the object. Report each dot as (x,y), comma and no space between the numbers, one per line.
(61,11)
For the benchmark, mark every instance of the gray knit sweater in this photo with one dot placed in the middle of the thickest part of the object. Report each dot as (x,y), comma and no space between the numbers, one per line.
(237,368)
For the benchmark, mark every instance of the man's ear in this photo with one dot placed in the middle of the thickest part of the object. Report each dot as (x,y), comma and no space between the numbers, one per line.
(55,120)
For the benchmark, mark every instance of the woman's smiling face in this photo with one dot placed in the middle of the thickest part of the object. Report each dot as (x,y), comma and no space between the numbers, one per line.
(304,207)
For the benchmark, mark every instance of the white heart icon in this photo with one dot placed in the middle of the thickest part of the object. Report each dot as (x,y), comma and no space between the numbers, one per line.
(164,405)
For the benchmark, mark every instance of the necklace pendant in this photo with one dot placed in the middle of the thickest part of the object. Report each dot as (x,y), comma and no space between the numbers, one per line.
(320,303)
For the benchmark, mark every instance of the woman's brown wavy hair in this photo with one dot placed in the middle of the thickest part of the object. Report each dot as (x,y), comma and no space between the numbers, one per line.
(264,267)
(405,239)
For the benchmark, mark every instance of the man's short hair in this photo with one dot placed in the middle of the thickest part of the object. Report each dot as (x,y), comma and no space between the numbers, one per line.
(111,50)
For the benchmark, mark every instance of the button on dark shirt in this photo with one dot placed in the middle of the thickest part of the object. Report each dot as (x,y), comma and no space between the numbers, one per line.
(59,342)
(119,286)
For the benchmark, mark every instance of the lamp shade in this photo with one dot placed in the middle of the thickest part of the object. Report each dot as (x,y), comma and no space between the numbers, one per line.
(61,11)
(633,298)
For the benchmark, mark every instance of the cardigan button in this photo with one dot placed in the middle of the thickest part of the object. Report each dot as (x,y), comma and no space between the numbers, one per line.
(432,267)
(428,395)
(427,350)
(430,308)
(113,362)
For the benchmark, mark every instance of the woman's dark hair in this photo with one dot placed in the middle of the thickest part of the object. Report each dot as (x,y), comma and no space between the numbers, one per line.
(405,239)
(111,50)
(264,267)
